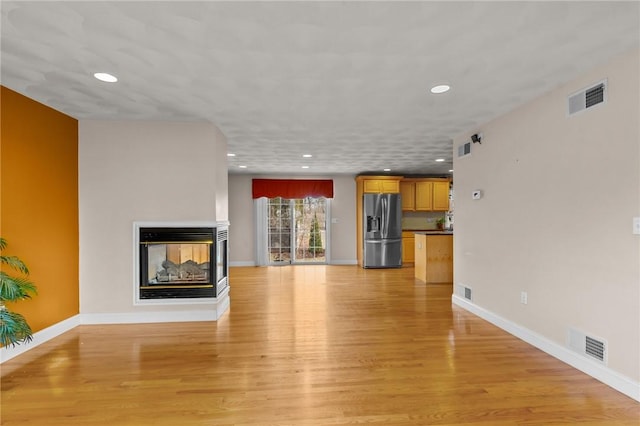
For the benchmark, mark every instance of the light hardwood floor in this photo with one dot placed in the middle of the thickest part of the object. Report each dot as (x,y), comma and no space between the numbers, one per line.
(307,345)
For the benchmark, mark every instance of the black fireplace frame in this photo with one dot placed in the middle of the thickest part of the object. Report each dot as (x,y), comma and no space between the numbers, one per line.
(222,249)
(177,235)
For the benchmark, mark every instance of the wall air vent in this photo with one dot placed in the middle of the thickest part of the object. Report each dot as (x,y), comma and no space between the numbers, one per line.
(588,346)
(464,149)
(463,291)
(587,98)
(594,348)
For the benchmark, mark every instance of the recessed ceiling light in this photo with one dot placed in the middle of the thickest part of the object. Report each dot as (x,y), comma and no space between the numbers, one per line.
(307,155)
(230,154)
(242,167)
(386,170)
(450,170)
(305,167)
(106,77)
(439,160)
(441,88)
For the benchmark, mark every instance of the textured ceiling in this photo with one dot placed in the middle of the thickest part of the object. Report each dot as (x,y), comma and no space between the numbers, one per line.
(347,82)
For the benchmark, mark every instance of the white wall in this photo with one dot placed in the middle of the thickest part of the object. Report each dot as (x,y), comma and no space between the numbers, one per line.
(343,209)
(555,220)
(241,216)
(140,171)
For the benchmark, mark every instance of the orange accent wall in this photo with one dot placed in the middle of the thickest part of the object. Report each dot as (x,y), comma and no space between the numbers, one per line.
(39,204)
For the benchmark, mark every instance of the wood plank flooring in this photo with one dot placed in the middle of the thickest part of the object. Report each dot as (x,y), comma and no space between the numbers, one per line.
(307,345)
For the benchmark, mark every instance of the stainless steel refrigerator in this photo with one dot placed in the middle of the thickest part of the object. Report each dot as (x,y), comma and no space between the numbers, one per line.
(382,231)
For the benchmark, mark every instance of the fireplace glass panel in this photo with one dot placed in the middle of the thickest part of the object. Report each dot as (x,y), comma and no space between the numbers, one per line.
(178,263)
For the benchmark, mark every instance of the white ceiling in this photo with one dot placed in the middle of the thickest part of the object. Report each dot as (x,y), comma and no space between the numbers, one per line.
(347,82)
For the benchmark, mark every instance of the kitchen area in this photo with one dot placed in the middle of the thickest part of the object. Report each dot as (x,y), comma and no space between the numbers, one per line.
(420,227)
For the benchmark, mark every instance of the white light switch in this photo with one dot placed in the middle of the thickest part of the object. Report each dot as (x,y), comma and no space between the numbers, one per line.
(636,225)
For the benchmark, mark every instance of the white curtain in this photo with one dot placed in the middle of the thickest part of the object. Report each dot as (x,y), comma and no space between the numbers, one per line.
(261,217)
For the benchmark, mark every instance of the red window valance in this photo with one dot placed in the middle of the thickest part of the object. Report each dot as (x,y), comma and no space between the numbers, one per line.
(292,188)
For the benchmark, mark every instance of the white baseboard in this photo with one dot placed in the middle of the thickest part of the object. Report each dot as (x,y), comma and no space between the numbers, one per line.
(40,337)
(333,262)
(343,262)
(217,310)
(242,263)
(599,372)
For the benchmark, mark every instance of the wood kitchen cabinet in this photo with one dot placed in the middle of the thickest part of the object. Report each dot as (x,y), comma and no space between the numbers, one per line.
(425,195)
(440,196)
(408,247)
(381,186)
(408,194)
(434,258)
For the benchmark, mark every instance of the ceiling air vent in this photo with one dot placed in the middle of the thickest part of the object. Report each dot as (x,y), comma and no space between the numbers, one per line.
(464,149)
(587,98)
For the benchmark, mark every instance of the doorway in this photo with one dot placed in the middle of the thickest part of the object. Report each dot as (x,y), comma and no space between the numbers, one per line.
(296,230)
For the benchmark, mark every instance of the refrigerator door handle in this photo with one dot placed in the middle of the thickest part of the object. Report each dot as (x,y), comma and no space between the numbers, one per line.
(384,218)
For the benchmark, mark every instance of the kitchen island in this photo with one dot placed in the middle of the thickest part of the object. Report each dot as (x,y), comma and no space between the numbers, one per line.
(434,256)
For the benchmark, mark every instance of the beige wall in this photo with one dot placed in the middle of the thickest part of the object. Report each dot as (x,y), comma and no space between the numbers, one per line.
(222,175)
(140,171)
(241,216)
(556,217)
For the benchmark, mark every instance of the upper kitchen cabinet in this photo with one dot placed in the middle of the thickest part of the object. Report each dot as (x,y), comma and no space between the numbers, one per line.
(425,195)
(380,185)
(441,196)
(408,195)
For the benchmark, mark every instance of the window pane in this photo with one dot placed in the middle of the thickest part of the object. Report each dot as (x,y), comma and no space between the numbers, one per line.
(301,221)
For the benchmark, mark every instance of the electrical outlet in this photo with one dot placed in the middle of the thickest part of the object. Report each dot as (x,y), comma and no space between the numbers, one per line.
(523,297)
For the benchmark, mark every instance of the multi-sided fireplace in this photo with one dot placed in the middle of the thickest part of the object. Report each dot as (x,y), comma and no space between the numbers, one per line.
(182,262)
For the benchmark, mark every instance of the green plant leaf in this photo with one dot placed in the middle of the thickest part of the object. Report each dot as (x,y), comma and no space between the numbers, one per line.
(13,326)
(15,263)
(13,329)
(15,288)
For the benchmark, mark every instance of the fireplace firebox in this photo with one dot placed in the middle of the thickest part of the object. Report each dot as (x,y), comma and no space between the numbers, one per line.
(182,263)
